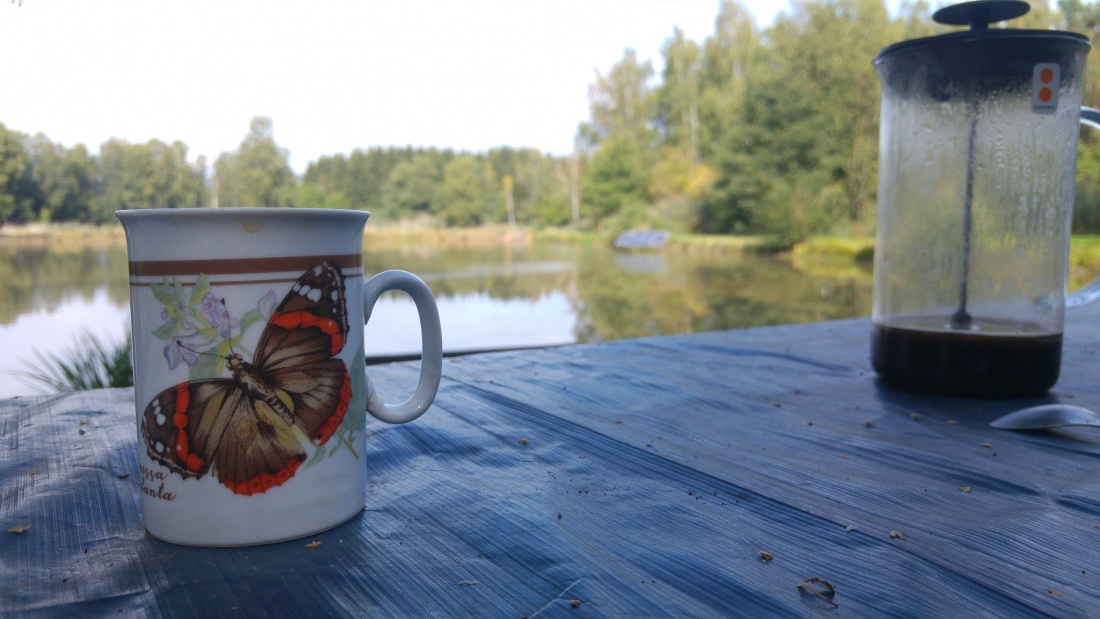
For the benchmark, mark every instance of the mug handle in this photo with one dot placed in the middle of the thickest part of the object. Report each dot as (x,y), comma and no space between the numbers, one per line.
(1091,291)
(431,335)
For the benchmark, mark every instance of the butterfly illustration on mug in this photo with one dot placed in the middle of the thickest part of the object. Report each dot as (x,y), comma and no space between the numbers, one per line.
(250,427)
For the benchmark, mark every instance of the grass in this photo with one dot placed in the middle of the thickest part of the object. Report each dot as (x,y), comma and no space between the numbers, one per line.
(1084,251)
(62,237)
(860,249)
(481,236)
(717,243)
(90,363)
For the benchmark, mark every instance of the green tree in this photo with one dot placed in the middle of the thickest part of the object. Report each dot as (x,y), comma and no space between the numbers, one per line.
(620,102)
(150,175)
(323,178)
(311,196)
(1084,17)
(16,178)
(679,178)
(726,59)
(413,186)
(265,175)
(366,174)
(616,179)
(67,181)
(227,180)
(175,182)
(540,193)
(258,173)
(915,20)
(804,152)
(327,173)
(462,200)
(622,111)
(361,177)
(125,173)
(677,98)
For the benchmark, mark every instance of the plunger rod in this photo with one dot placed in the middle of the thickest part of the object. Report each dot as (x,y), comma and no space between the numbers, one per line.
(961,318)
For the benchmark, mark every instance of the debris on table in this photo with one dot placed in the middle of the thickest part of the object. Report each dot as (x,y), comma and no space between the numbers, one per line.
(827,594)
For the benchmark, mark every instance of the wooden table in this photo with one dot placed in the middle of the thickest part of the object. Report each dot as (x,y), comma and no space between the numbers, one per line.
(645,477)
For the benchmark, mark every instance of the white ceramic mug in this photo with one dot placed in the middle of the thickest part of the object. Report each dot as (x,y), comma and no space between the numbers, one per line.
(250,387)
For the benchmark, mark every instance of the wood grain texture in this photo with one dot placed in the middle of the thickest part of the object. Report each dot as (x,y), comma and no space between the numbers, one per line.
(642,478)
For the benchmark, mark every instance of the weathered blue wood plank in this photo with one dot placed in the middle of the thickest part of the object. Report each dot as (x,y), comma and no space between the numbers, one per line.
(652,474)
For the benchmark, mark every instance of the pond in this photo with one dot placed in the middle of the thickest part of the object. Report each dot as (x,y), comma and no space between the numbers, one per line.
(490,297)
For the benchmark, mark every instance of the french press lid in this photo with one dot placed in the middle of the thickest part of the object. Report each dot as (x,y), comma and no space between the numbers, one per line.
(978,14)
(973,63)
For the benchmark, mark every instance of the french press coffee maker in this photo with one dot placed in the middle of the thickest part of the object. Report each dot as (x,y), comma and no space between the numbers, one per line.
(977,164)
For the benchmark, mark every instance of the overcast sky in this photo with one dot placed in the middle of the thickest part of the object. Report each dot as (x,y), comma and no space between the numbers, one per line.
(333,75)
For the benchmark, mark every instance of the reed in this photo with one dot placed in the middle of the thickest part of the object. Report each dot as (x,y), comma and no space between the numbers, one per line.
(90,363)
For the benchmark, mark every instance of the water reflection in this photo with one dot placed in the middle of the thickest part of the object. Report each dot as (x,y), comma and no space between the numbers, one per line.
(35,277)
(489,297)
(641,262)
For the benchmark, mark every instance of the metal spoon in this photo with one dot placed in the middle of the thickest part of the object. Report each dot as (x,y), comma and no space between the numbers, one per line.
(1046,417)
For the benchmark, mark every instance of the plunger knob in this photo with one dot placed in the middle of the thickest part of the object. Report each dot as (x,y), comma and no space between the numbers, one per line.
(980,13)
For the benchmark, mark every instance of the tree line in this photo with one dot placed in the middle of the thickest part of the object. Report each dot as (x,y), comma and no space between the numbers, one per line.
(753,130)
(41,181)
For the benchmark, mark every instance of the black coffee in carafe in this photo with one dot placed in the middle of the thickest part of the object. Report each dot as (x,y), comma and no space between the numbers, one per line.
(1014,362)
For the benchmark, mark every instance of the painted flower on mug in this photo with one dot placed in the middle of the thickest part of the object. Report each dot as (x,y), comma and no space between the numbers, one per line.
(266,305)
(199,327)
(217,316)
(186,348)
(175,313)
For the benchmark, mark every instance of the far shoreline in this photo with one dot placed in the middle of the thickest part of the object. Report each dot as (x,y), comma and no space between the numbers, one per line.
(1084,259)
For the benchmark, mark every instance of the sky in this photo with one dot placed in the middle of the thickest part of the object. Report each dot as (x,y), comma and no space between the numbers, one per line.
(332,75)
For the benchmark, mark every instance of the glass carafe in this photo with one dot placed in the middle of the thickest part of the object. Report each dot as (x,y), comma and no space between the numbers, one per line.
(977,165)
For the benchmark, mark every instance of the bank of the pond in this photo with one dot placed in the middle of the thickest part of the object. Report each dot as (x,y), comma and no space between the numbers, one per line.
(858,249)
(403,234)
(1084,254)
(62,237)
(1084,249)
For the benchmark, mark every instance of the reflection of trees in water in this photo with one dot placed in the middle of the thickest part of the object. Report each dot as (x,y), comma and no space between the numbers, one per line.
(503,273)
(712,292)
(612,295)
(36,278)
(767,291)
